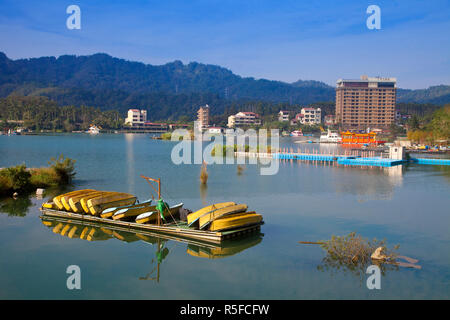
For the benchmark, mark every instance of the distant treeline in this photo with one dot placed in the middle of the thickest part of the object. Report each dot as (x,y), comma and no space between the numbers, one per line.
(40,113)
(43,113)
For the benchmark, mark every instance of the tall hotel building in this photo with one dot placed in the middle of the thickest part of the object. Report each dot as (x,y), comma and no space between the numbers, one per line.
(368,102)
(203,118)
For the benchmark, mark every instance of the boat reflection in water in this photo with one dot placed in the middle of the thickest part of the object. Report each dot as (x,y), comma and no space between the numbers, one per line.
(98,232)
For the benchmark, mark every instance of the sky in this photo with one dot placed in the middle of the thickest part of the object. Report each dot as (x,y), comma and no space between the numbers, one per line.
(282,40)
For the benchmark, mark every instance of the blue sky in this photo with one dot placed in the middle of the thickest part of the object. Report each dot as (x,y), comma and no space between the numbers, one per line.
(279,40)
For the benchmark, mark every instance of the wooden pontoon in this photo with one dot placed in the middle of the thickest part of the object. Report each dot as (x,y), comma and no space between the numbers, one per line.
(177,229)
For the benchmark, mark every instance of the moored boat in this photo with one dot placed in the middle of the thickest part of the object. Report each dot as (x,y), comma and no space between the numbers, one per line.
(65,199)
(57,199)
(194,216)
(207,218)
(116,199)
(297,133)
(109,212)
(152,216)
(75,201)
(235,221)
(127,213)
(330,137)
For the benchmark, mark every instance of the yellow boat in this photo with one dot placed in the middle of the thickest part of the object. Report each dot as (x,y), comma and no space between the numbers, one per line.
(65,200)
(152,216)
(50,205)
(207,218)
(108,213)
(126,213)
(84,200)
(75,201)
(125,201)
(57,199)
(116,199)
(235,221)
(194,216)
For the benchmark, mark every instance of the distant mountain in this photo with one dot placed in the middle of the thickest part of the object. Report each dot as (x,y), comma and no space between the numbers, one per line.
(170,90)
(435,95)
(103,72)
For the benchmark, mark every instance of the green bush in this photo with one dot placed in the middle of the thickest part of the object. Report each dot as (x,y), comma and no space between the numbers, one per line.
(64,168)
(44,177)
(6,184)
(19,176)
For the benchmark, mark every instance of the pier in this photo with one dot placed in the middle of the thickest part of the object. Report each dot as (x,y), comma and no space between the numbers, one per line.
(366,158)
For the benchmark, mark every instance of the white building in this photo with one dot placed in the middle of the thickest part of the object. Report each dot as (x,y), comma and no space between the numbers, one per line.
(136,117)
(244,119)
(283,115)
(215,130)
(311,116)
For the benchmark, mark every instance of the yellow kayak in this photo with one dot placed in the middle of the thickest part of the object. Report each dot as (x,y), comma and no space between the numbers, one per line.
(108,213)
(65,200)
(113,196)
(75,201)
(50,205)
(152,216)
(207,218)
(194,216)
(235,221)
(57,199)
(84,200)
(121,201)
(132,212)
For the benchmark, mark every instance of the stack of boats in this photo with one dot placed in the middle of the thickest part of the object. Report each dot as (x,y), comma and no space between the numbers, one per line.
(109,205)
(124,206)
(223,216)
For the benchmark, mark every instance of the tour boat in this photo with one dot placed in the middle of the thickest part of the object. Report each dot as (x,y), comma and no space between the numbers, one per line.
(93,130)
(330,137)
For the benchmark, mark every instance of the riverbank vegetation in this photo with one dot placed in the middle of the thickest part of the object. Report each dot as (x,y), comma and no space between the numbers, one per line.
(40,113)
(21,179)
(220,149)
(431,129)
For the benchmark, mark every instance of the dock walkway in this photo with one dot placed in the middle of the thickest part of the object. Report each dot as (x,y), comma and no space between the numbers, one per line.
(354,160)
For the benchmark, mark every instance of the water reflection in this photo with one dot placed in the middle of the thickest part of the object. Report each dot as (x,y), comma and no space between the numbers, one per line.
(99,232)
(369,183)
(129,141)
(17,207)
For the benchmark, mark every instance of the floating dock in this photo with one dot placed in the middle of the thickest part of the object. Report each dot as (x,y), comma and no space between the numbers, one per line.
(354,160)
(178,228)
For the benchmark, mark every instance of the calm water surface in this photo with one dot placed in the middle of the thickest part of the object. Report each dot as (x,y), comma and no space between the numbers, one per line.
(406,205)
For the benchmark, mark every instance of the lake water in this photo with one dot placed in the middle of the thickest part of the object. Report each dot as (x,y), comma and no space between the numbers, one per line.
(406,205)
